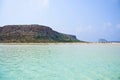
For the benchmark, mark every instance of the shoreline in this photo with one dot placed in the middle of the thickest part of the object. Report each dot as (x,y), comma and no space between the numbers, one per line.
(56,43)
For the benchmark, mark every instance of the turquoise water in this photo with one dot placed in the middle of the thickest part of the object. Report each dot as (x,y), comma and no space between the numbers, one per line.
(60,62)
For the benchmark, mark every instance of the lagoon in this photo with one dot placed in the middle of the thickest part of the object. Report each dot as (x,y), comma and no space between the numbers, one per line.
(59,61)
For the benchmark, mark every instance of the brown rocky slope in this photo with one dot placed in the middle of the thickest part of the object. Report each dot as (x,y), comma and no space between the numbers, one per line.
(33,33)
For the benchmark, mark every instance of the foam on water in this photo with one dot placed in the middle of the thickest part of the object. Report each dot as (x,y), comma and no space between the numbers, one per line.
(60,62)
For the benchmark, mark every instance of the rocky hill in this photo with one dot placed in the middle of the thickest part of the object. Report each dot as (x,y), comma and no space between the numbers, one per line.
(102,41)
(33,33)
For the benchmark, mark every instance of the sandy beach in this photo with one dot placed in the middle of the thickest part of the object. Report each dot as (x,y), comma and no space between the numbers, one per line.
(57,43)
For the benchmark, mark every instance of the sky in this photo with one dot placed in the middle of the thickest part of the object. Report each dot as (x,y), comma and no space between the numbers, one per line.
(89,20)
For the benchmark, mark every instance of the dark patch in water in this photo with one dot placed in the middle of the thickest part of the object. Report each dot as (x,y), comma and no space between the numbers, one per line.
(118,77)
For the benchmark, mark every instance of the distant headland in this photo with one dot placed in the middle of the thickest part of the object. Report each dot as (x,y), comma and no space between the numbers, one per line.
(33,34)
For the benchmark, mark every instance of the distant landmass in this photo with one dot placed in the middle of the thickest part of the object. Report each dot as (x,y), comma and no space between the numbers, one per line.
(106,41)
(102,41)
(114,41)
(33,33)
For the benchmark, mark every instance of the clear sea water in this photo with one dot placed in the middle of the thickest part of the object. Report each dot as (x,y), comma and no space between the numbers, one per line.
(60,62)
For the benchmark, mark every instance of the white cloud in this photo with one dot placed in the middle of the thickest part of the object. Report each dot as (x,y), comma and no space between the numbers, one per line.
(84,29)
(108,27)
(45,3)
(38,3)
(107,24)
(118,26)
(24,5)
(23,11)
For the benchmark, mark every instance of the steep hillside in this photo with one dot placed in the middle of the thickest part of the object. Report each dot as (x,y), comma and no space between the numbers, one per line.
(33,33)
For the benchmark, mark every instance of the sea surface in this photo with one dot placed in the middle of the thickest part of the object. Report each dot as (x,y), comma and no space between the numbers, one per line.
(60,62)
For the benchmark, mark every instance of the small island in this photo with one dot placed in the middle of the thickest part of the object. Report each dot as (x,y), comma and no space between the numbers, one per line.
(33,34)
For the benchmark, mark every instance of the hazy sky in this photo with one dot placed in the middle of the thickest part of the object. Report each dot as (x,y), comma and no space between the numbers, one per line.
(89,20)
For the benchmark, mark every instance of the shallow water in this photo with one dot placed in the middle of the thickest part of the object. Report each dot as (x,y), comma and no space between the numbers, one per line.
(60,62)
